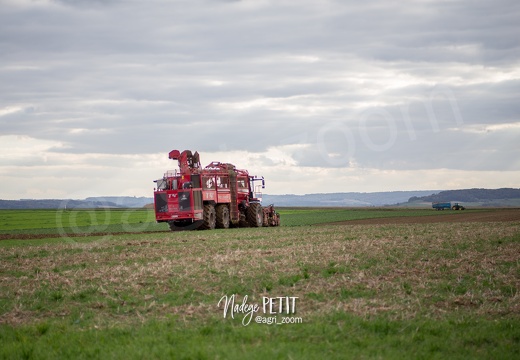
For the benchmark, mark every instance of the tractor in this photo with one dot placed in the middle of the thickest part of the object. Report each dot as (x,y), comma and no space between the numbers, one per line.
(457,206)
(217,196)
(447,205)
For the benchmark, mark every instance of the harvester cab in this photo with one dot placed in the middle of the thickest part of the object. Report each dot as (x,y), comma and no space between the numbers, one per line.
(256,190)
(217,196)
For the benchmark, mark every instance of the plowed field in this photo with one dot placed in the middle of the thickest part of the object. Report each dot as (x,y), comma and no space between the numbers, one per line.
(492,215)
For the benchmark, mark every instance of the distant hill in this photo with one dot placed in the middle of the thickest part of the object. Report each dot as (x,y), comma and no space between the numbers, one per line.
(331,199)
(351,199)
(88,203)
(123,201)
(506,197)
(477,197)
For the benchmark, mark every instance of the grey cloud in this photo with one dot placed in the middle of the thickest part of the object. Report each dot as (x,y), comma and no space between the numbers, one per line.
(142,77)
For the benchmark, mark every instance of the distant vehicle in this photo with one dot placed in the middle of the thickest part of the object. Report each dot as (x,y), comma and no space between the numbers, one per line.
(447,205)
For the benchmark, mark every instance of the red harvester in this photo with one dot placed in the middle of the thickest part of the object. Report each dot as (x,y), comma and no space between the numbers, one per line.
(217,196)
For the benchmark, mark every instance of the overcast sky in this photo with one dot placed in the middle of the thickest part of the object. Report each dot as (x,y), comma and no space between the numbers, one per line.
(317,96)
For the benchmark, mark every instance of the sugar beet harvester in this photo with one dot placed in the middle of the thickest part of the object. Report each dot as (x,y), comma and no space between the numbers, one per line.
(217,196)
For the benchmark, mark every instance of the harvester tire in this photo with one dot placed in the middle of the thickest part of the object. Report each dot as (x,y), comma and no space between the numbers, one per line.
(209,217)
(184,225)
(255,216)
(174,226)
(222,216)
(243,223)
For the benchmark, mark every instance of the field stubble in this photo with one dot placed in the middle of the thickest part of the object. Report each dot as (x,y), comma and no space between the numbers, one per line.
(399,271)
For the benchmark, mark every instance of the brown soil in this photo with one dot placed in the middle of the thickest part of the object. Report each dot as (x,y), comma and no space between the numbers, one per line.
(491,215)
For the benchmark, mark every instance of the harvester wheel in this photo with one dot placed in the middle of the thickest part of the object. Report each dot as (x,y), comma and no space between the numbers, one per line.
(174,226)
(255,215)
(209,217)
(184,225)
(243,221)
(222,216)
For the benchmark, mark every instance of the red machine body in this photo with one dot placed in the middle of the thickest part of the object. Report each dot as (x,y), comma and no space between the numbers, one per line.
(217,196)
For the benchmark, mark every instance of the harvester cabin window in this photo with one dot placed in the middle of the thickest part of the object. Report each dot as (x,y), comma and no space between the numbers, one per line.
(223,182)
(162,184)
(242,185)
(208,183)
